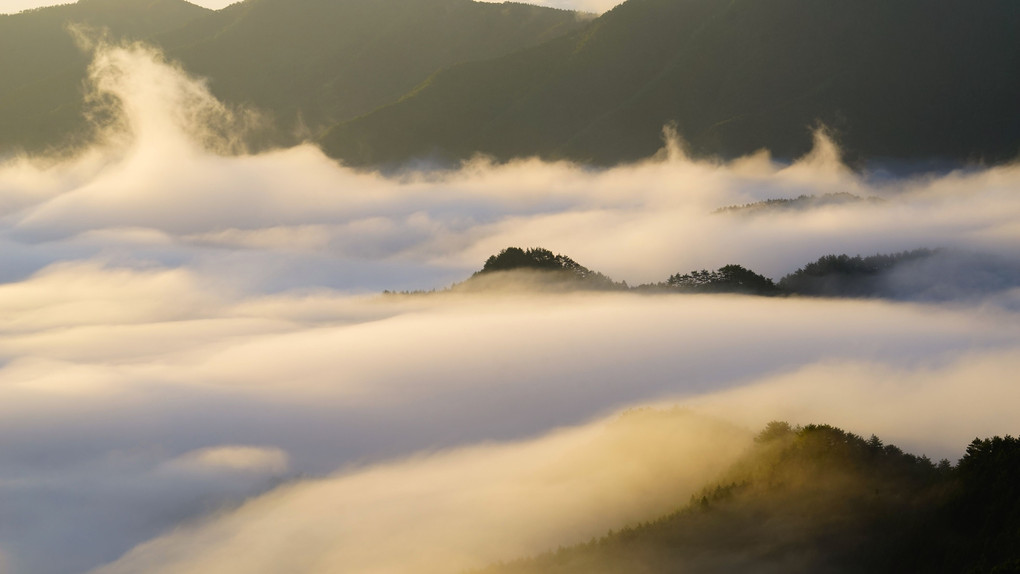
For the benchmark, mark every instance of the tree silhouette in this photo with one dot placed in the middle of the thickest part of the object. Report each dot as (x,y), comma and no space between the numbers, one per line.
(543,260)
(846,276)
(727,279)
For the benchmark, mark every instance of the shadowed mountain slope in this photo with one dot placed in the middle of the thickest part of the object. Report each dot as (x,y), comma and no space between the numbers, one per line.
(893,79)
(918,275)
(319,61)
(42,69)
(306,63)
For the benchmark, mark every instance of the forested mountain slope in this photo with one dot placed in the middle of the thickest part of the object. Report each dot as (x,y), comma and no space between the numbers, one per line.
(43,70)
(892,79)
(304,63)
(322,61)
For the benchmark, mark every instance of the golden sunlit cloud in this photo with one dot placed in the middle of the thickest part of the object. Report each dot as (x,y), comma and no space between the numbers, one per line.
(455,510)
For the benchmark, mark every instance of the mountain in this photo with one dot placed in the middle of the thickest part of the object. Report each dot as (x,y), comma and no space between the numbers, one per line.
(43,70)
(819,499)
(890,79)
(306,63)
(322,61)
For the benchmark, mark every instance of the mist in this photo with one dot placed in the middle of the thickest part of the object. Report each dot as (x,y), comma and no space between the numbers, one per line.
(195,355)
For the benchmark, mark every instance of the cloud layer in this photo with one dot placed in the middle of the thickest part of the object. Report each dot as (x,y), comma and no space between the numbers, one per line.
(193,339)
(455,510)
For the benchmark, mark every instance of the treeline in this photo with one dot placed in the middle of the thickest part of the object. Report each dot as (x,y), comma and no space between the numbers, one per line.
(735,77)
(802,201)
(544,268)
(830,275)
(727,279)
(845,276)
(820,499)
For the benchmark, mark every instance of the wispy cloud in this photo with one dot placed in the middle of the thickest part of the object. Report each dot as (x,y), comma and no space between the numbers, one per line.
(454,510)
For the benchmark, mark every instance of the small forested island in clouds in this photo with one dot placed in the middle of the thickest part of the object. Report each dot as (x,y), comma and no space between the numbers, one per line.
(917,274)
(301,65)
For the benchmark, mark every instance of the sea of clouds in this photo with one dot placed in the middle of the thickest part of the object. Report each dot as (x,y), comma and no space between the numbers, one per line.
(198,372)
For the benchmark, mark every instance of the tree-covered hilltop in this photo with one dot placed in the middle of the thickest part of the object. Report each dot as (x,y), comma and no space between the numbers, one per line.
(535,258)
(537,268)
(819,499)
(306,63)
(906,79)
(846,276)
(921,274)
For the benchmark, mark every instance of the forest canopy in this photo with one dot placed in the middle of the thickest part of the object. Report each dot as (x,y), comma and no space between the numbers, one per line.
(901,275)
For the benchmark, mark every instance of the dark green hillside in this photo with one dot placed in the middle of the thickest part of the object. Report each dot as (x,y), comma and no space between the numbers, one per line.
(322,61)
(893,79)
(305,62)
(918,275)
(818,499)
(42,70)
(845,276)
(537,259)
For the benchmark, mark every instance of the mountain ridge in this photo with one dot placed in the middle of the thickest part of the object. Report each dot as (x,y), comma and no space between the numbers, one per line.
(901,79)
(303,63)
